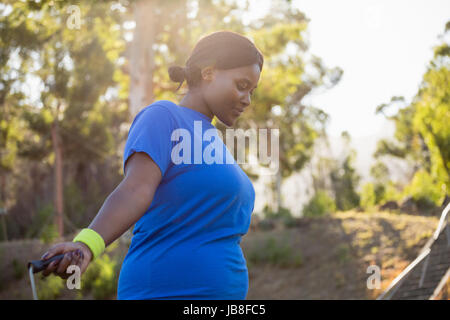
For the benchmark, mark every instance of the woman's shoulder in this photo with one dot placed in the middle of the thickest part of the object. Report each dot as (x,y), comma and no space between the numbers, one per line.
(161,109)
(167,105)
(161,113)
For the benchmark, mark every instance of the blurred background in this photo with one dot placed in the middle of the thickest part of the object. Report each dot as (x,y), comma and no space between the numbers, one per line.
(358,89)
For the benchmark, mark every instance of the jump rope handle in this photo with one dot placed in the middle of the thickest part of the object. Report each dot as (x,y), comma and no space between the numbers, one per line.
(39,265)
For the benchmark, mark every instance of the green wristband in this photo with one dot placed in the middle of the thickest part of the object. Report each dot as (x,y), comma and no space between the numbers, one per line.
(93,240)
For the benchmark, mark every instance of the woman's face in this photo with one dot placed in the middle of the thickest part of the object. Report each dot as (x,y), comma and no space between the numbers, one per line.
(228,92)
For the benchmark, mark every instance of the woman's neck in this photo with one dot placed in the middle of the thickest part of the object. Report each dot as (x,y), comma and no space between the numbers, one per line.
(194,101)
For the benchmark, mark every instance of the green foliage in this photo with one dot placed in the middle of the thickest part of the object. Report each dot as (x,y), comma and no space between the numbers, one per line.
(49,233)
(74,203)
(101,277)
(266,224)
(343,252)
(391,193)
(432,118)
(422,133)
(42,225)
(344,180)
(78,73)
(320,204)
(379,190)
(368,196)
(50,288)
(385,190)
(424,189)
(16,38)
(283,213)
(380,172)
(18,268)
(276,253)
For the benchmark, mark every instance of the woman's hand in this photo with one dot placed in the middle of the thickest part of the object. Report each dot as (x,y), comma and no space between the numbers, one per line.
(75,253)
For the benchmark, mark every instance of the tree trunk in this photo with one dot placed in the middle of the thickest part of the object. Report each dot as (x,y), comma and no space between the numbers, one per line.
(58,174)
(142,55)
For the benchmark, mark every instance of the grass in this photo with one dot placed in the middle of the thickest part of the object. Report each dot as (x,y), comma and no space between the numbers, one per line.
(336,252)
(343,253)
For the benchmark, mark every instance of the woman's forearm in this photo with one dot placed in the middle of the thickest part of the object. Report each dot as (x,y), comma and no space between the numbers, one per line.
(121,209)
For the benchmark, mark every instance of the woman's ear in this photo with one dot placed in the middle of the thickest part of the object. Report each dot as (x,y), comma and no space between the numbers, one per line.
(208,73)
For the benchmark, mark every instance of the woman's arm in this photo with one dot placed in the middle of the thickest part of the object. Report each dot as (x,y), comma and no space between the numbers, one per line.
(121,209)
(130,200)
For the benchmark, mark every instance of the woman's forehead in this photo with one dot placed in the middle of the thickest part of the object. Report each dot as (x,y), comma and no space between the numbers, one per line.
(250,72)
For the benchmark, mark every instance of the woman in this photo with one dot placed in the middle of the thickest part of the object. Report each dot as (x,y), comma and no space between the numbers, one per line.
(189,215)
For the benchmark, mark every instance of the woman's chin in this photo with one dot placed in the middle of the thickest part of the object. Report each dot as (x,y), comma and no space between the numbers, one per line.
(229,121)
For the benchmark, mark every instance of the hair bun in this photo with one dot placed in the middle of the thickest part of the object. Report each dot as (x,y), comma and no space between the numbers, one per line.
(177,74)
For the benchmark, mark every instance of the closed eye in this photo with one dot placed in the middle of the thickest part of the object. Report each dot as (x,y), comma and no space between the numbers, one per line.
(242,85)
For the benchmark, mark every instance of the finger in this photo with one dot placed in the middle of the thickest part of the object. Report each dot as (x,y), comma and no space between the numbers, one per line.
(50,268)
(64,263)
(75,261)
(80,258)
(55,250)
(66,274)
(50,252)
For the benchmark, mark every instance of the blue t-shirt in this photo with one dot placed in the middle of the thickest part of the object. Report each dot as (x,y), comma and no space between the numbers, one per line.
(187,244)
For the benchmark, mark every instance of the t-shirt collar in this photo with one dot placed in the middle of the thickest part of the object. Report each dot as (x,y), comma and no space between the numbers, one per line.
(195,112)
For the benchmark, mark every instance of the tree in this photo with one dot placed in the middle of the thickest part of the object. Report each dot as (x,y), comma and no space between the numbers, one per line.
(75,67)
(17,40)
(432,112)
(422,133)
(368,196)
(344,178)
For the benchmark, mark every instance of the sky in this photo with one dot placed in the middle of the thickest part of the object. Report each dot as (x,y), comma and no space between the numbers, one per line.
(383,48)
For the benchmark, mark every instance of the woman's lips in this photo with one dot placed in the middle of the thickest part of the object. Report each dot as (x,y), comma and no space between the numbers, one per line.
(238,111)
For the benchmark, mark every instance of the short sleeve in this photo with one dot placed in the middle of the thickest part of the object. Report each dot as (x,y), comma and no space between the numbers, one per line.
(150,132)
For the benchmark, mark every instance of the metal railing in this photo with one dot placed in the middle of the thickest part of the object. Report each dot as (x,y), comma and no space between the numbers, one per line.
(442,221)
(395,284)
(441,285)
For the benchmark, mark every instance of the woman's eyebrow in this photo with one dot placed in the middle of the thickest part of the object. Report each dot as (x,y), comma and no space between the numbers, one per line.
(249,82)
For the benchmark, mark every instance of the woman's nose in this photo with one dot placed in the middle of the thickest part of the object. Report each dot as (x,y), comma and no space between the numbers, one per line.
(246,100)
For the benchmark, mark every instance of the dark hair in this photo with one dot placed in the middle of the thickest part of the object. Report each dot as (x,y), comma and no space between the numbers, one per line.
(222,50)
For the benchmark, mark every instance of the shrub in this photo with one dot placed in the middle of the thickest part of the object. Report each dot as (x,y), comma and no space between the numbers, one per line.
(49,233)
(50,288)
(43,217)
(380,191)
(319,205)
(74,204)
(18,268)
(343,253)
(368,196)
(424,190)
(101,277)
(391,193)
(275,253)
(283,213)
(266,224)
